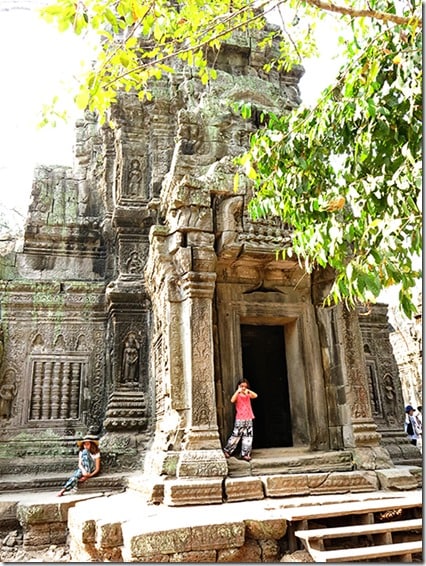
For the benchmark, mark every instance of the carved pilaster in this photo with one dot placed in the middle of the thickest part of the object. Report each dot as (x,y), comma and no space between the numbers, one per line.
(368,453)
(202,431)
(128,360)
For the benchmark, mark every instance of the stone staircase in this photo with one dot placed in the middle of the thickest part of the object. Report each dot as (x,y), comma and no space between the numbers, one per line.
(369,531)
(291,461)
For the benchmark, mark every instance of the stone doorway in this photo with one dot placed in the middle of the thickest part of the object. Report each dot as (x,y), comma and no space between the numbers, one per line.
(264,365)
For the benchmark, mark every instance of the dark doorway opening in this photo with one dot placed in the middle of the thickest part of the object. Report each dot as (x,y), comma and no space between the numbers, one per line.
(264,365)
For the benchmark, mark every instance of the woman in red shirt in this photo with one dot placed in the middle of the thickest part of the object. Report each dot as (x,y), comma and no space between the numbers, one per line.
(243,427)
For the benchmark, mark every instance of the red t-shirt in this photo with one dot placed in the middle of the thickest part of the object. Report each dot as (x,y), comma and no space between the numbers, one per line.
(244,412)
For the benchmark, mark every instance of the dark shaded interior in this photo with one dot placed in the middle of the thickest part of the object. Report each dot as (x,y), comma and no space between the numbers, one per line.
(264,365)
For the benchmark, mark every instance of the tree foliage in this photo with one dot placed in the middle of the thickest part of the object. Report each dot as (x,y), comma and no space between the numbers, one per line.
(346,174)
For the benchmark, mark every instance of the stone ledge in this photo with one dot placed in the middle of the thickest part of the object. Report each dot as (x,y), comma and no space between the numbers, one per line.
(397,479)
(51,481)
(151,489)
(243,489)
(193,491)
(314,484)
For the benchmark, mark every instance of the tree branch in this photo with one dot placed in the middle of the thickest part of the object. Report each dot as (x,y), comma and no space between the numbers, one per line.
(373,14)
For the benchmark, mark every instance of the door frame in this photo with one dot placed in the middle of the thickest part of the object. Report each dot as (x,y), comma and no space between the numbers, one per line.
(308,405)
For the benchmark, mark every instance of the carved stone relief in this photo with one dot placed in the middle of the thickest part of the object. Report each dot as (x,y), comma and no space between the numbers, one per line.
(130,359)
(8,390)
(141,264)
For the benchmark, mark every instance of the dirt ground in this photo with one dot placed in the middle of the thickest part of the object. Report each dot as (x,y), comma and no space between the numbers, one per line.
(11,551)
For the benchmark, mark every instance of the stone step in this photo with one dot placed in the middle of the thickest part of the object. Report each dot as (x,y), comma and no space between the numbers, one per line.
(127,394)
(49,481)
(37,466)
(288,461)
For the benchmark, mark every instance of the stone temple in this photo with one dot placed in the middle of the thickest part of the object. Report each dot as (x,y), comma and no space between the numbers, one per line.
(143,290)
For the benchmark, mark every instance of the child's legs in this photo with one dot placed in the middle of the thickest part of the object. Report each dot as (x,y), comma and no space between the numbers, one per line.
(234,439)
(73,480)
(247,438)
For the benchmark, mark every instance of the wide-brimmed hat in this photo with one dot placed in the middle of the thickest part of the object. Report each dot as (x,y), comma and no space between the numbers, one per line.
(409,408)
(88,438)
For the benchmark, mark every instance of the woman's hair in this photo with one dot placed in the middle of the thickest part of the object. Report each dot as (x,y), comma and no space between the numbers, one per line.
(243,380)
(94,448)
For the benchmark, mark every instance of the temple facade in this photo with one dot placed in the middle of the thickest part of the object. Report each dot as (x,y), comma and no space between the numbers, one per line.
(143,291)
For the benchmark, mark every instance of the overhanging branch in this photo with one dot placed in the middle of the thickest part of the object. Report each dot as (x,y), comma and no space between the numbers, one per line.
(373,14)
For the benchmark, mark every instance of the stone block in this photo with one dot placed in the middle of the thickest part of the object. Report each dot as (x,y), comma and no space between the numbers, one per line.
(270,550)
(263,529)
(417,472)
(238,468)
(42,535)
(159,542)
(342,482)
(109,535)
(88,531)
(82,552)
(183,259)
(202,458)
(8,517)
(82,527)
(110,554)
(297,556)
(203,255)
(194,556)
(217,536)
(152,490)
(193,491)
(33,513)
(152,559)
(284,485)
(243,489)
(200,240)
(249,552)
(396,479)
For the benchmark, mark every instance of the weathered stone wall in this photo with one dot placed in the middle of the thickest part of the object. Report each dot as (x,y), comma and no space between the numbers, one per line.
(123,312)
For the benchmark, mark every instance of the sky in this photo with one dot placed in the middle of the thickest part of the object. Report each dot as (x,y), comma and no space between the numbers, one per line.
(35,58)
(34,65)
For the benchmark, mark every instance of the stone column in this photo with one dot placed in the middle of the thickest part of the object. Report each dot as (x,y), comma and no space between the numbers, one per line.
(368,453)
(202,454)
